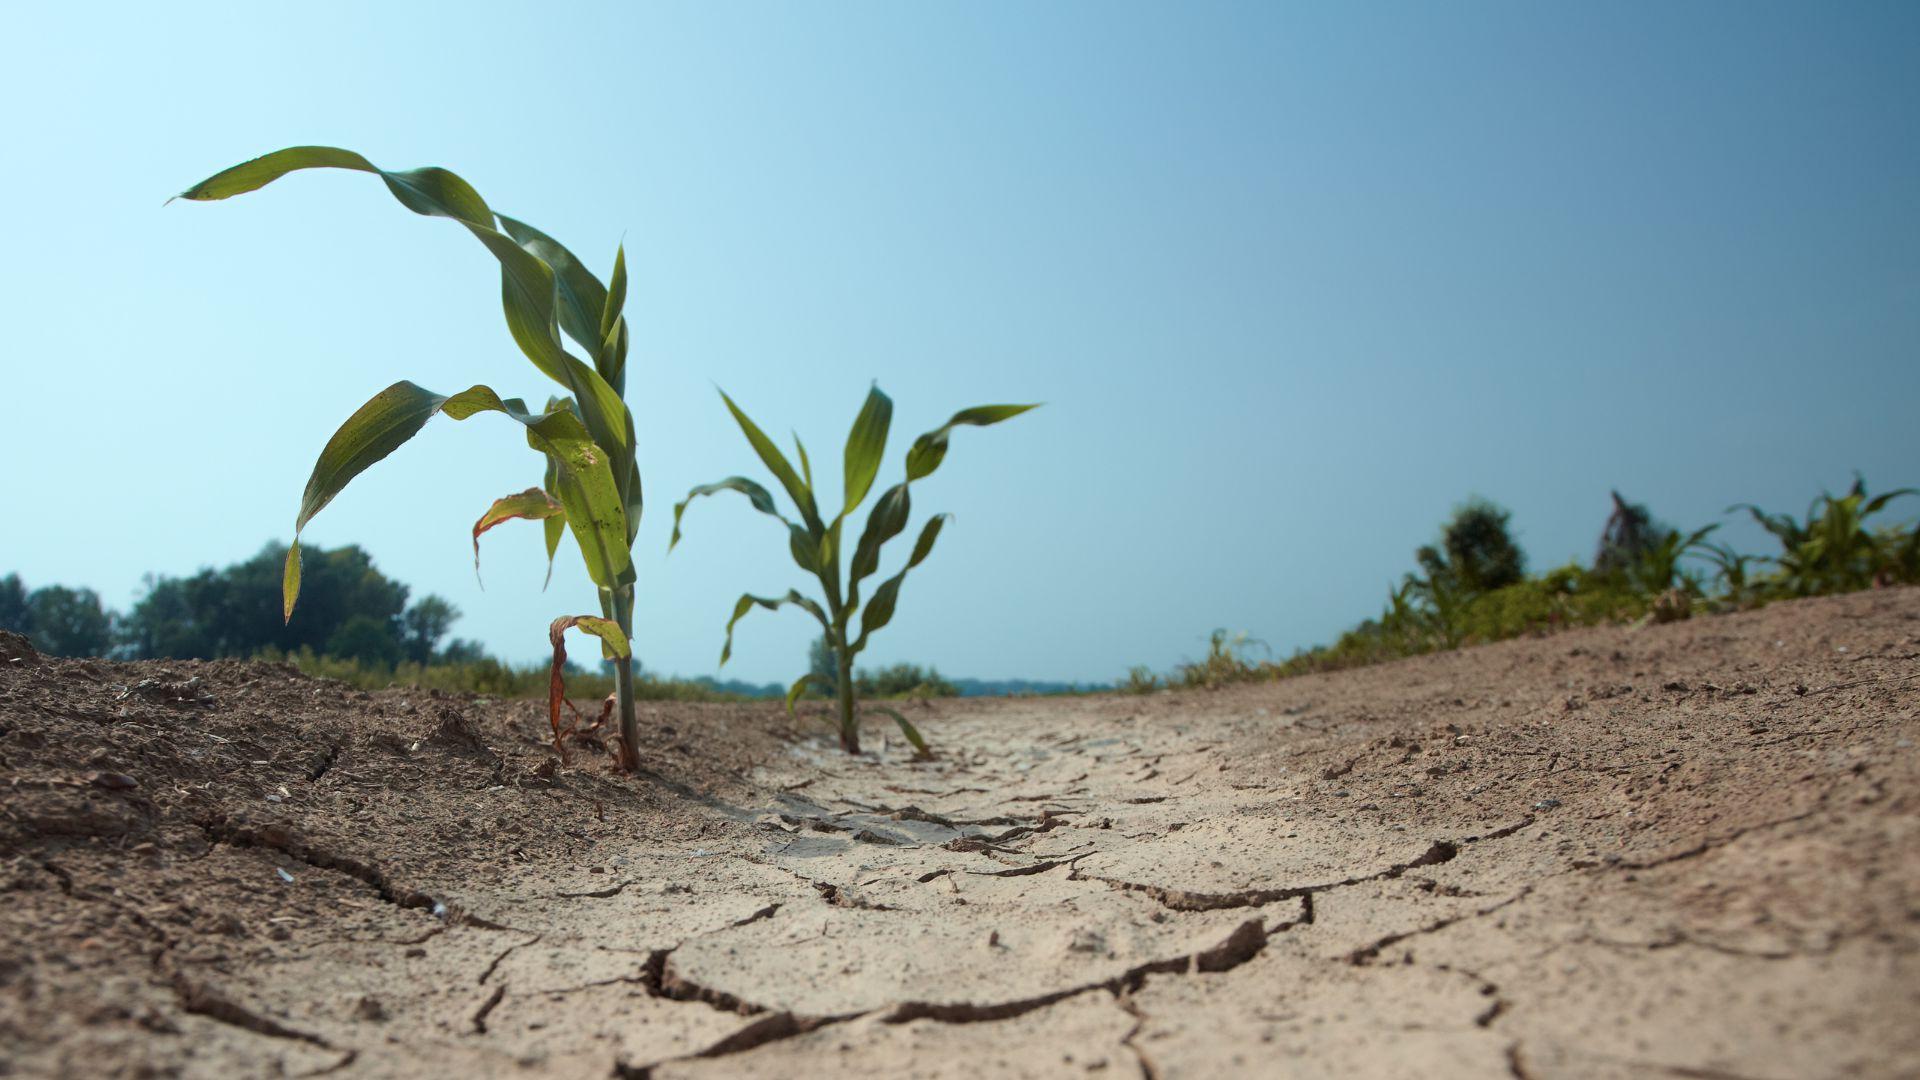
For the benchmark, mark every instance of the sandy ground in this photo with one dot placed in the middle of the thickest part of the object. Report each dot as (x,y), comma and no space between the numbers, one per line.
(1677,851)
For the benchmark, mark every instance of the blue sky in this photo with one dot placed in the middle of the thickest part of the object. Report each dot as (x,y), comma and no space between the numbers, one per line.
(1292,280)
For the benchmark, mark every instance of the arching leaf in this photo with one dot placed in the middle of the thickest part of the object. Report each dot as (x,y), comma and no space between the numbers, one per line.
(757,495)
(930,450)
(533,504)
(748,602)
(584,482)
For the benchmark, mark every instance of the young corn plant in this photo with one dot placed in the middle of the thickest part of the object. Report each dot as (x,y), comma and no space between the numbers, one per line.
(816,544)
(592,482)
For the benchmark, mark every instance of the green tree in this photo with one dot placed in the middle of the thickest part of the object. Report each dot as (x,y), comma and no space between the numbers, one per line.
(368,639)
(1476,553)
(13,605)
(69,622)
(424,623)
(236,611)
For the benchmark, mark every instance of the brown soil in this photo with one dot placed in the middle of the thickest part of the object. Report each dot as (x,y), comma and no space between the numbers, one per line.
(1686,851)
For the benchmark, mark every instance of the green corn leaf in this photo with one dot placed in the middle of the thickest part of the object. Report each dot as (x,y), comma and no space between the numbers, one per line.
(776,462)
(886,520)
(930,450)
(555,527)
(747,603)
(290,581)
(582,299)
(1879,502)
(616,293)
(396,414)
(804,548)
(921,750)
(432,191)
(528,283)
(879,610)
(800,685)
(806,466)
(866,443)
(613,645)
(761,499)
(533,504)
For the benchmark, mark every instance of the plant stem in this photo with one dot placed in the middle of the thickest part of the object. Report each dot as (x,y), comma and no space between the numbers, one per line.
(623,683)
(849,728)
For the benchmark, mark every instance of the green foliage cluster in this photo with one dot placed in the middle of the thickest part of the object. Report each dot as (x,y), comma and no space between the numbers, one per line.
(495,678)
(355,625)
(1473,587)
(352,611)
(62,621)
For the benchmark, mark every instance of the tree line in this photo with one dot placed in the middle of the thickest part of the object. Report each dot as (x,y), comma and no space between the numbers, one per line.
(349,610)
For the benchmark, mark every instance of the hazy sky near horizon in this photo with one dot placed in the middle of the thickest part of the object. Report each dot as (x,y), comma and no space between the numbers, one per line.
(1292,280)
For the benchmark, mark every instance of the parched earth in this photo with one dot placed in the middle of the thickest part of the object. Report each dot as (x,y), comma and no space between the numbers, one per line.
(1670,851)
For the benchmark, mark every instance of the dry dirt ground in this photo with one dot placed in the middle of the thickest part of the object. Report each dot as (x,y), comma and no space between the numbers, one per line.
(1676,851)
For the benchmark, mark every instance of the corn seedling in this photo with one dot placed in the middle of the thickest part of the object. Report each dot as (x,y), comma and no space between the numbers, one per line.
(592,482)
(815,543)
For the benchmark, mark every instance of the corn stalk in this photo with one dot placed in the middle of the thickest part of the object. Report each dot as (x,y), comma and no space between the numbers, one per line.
(592,481)
(816,544)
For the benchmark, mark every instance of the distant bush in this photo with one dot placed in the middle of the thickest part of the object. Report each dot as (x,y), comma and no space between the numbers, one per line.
(903,681)
(61,621)
(1472,589)
(496,679)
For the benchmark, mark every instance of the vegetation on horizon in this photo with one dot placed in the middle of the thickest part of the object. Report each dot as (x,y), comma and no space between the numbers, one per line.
(1473,587)
(592,481)
(817,548)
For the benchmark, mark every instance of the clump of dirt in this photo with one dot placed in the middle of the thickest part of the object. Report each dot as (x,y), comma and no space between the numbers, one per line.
(1683,849)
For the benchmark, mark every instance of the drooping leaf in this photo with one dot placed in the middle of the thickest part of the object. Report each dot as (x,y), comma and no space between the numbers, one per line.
(776,463)
(290,581)
(528,283)
(800,685)
(533,504)
(930,450)
(396,414)
(747,603)
(866,443)
(613,644)
(921,751)
(555,527)
(879,610)
(761,499)
(1879,502)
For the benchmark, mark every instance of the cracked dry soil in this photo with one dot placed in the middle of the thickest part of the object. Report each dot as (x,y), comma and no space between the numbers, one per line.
(1678,851)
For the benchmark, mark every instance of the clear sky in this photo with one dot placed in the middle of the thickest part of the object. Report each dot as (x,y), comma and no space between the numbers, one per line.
(1292,280)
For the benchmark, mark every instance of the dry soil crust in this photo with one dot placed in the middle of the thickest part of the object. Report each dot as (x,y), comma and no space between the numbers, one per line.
(1678,851)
